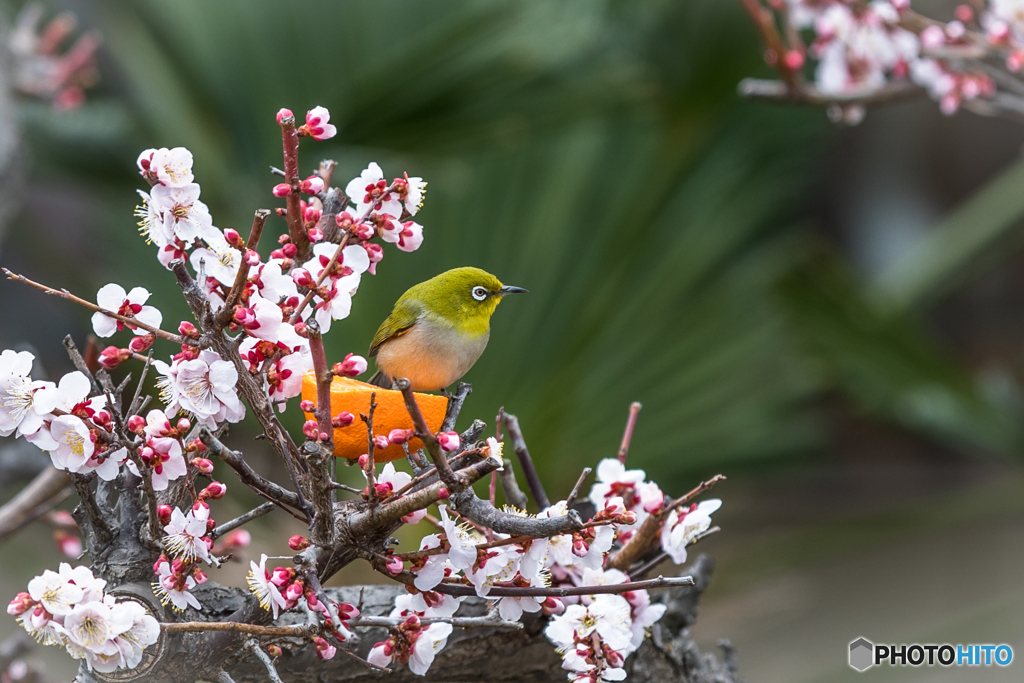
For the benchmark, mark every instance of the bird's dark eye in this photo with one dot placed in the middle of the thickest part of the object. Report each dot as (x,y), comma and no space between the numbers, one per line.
(479,293)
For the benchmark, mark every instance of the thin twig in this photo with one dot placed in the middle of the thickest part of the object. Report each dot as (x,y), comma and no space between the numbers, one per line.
(460,622)
(253,646)
(255,513)
(557,592)
(227,311)
(627,436)
(238,627)
(65,294)
(579,484)
(430,443)
(529,471)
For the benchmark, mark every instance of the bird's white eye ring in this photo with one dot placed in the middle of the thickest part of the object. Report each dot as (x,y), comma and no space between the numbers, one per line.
(479,293)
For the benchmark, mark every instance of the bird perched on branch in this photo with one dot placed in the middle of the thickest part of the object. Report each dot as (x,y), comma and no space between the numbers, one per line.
(438,329)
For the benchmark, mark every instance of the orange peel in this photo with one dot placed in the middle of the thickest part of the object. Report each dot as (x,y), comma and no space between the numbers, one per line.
(354,396)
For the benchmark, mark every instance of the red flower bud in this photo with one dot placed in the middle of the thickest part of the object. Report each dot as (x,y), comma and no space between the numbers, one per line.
(188,329)
(282,190)
(395,565)
(298,543)
(311,429)
(343,419)
(213,491)
(183,425)
(136,423)
(164,513)
(307,406)
(315,235)
(400,436)
(442,493)
(142,343)
(289,250)
(203,465)
(283,114)
(232,237)
(449,441)
(273,650)
(364,460)
(112,356)
(380,441)
(352,366)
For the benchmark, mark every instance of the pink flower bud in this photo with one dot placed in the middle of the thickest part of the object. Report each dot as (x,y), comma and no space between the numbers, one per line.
(347,611)
(364,460)
(302,278)
(102,418)
(312,214)
(142,343)
(282,190)
(246,317)
(442,493)
(281,576)
(315,235)
(273,650)
(294,590)
(136,424)
(414,517)
(324,650)
(400,436)
(199,575)
(363,231)
(147,454)
(375,252)
(112,356)
(301,330)
(343,419)
(283,114)
(312,185)
(449,441)
(579,547)
(311,429)
(252,259)
(213,491)
(298,543)
(307,406)
(203,465)
(21,603)
(239,538)
(69,545)
(196,446)
(232,237)
(380,441)
(352,366)
(183,425)
(188,329)
(552,606)
(289,250)
(395,565)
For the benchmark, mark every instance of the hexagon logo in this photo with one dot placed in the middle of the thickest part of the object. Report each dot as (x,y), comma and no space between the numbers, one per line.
(862,654)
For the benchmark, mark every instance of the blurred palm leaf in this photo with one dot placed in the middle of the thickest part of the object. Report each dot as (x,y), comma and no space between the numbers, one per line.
(591,152)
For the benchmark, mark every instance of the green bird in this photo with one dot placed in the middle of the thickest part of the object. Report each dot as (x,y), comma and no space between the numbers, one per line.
(438,329)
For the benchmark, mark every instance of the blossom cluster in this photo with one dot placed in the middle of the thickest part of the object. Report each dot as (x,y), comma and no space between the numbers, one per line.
(859,47)
(594,633)
(70,608)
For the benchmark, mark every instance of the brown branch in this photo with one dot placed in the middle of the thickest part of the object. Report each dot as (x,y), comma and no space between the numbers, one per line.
(637,546)
(371,467)
(507,476)
(237,627)
(65,294)
(579,484)
(407,578)
(227,311)
(247,474)
(455,401)
(96,519)
(529,471)
(255,513)
(43,493)
(290,143)
(627,436)
(433,448)
(459,622)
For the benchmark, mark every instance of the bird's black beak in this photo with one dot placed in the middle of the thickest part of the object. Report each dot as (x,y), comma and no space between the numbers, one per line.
(508,289)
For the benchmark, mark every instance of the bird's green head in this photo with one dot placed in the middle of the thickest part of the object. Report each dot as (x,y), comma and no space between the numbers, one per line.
(466,297)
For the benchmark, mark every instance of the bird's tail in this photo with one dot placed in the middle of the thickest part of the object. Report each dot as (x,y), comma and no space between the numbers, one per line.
(382,380)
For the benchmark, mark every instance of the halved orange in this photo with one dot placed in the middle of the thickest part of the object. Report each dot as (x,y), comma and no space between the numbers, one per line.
(354,396)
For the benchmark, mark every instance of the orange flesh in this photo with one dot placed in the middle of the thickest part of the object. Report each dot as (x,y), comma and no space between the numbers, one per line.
(354,396)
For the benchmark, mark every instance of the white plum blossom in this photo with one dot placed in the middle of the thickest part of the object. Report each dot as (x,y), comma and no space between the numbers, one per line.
(681,528)
(607,615)
(219,259)
(431,641)
(68,441)
(204,387)
(113,298)
(18,412)
(184,535)
(182,215)
(172,167)
(269,596)
(367,192)
(72,389)
(56,593)
(170,592)
(317,124)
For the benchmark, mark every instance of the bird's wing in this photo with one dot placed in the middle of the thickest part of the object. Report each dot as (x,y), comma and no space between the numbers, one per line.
(401,320)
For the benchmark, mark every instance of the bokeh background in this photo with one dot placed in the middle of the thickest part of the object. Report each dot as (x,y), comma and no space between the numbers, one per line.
(829,316)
